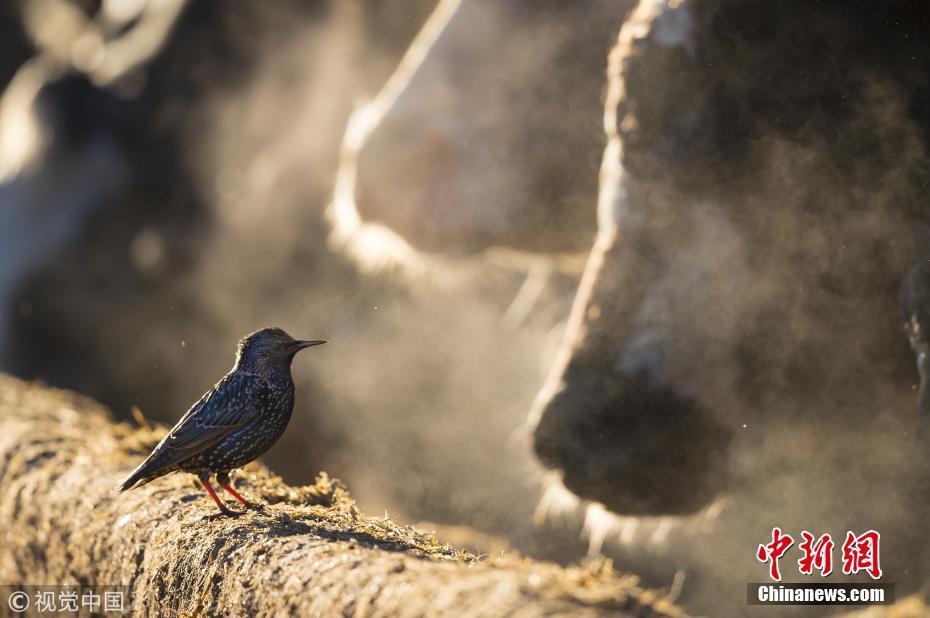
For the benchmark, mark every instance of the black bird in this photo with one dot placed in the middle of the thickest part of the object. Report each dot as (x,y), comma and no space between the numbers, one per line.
(236,421)
(915,311)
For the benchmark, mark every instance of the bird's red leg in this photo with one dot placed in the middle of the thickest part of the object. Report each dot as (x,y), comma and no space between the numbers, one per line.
(206,485)
(235,494)
(223,479)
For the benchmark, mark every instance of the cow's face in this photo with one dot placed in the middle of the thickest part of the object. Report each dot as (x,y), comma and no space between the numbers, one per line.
(741,331)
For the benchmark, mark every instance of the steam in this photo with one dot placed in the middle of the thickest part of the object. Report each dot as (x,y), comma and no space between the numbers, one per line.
(433,360)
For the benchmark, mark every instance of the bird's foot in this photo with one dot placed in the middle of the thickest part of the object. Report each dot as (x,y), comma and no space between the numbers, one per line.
(222,514)
(254,506)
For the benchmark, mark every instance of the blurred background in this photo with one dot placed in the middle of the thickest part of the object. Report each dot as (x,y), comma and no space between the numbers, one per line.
(418,183)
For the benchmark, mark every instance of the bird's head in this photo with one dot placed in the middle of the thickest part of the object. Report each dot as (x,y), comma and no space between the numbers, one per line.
(270,347)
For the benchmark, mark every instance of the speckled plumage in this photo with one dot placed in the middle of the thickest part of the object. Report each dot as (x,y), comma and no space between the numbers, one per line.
(236,421)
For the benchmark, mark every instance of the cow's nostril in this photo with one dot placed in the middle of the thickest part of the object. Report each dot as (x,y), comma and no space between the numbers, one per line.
(637,446)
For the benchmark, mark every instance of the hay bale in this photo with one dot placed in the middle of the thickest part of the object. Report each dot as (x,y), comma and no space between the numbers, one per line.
(309,553)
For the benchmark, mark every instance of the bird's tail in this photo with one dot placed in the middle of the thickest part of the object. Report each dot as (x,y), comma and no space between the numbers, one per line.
(139,477)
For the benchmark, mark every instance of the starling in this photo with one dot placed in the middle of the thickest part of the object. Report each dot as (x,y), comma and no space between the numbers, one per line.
(235,422)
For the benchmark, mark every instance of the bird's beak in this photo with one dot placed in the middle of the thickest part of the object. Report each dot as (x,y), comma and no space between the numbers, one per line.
(300,344)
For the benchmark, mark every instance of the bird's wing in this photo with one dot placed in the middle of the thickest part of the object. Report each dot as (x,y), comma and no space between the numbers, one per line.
(234,402)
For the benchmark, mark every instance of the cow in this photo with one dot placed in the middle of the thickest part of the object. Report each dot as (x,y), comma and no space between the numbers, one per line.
(735,343)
